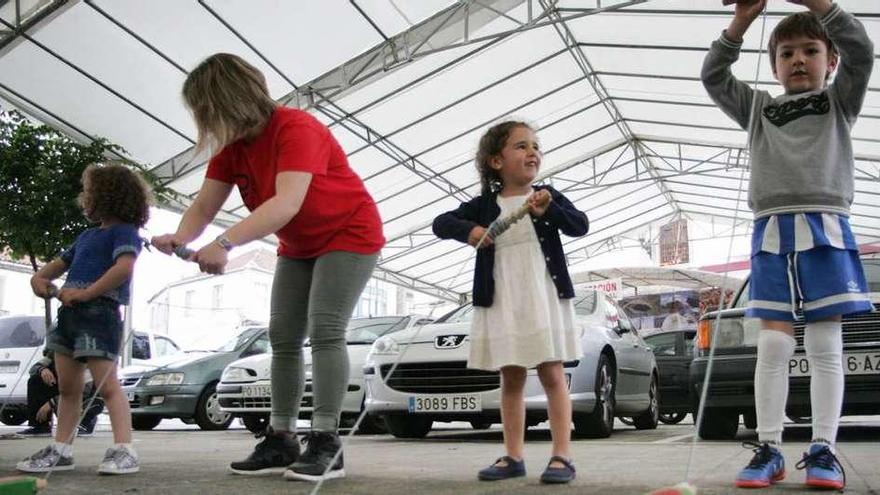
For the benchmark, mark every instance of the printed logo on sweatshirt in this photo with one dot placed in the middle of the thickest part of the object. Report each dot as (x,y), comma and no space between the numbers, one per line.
(852,286)
(792,110)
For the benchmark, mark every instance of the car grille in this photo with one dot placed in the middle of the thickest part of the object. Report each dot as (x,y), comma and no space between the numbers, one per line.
(246,403)
(135,403)
(439,378)
(128,381)
(857,329)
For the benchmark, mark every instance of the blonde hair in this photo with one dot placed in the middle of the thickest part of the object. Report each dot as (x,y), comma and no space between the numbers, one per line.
(229,100)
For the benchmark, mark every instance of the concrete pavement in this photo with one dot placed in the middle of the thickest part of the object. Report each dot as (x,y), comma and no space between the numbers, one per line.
(179,460)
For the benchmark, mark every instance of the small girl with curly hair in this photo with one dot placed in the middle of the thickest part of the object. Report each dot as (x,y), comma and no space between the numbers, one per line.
(88,332)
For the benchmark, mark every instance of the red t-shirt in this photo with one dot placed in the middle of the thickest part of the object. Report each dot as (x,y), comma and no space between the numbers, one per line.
(338,214)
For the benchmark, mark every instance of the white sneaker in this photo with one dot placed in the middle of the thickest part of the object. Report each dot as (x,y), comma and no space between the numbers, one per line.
(118,461)
(45,461)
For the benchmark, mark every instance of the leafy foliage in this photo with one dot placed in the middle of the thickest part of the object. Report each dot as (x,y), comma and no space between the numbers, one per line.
(40,180)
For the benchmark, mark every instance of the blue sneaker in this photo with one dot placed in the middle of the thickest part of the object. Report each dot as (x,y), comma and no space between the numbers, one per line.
(823,468)
(512,469)
(766,467)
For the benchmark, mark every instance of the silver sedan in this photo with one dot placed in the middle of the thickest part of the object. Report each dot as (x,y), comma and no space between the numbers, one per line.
(419,376)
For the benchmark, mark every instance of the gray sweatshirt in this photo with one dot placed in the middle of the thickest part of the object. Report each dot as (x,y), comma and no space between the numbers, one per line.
(800,145)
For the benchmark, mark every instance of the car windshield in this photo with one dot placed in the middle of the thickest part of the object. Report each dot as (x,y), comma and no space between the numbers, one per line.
(584,302)
(460,315)
(872,274)
(21,332)
(238,341)
(367,330)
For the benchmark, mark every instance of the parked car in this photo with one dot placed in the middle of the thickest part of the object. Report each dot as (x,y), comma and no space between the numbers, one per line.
(674,352)
(731,391)
(420,376)
(22,339)
(245,388)
(184,385)
(21,345)
(149,345)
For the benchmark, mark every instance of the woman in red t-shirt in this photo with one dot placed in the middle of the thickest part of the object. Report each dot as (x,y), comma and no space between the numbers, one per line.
(295,180)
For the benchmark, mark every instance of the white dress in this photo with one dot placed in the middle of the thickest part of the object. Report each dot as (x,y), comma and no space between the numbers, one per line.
(527,324)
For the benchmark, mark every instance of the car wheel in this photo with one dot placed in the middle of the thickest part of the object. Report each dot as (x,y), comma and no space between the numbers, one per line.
(13,417)
(255,423)
(672,418)
(648,419)
(208,414)
(145,423)
(408,426)
(719,424)
(479,424)
(600,422)
(371,425)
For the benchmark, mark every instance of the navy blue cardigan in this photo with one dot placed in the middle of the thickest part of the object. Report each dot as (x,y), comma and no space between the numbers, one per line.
(561,215)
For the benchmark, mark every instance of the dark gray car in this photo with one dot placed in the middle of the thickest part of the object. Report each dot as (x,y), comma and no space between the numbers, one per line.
(184,385)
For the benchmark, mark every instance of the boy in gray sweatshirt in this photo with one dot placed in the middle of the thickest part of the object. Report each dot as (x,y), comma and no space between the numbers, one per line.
(804,254)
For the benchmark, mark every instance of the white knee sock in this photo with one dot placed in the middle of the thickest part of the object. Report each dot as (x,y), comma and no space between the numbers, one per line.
(775,349)
(824,345)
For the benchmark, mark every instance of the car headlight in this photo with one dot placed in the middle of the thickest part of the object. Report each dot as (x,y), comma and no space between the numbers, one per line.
(165,379)
(385,345)
(237,375)
(727,333)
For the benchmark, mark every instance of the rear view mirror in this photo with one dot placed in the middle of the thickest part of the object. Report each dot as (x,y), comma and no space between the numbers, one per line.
(623,326)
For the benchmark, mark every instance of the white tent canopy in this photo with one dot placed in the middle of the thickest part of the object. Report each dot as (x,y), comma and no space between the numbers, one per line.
(654,276)
(408,86)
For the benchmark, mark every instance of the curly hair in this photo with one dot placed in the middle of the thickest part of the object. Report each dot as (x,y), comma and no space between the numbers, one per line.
(491,144)
(800,24)
(114,191)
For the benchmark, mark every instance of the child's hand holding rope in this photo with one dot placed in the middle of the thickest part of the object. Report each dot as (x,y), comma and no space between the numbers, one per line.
(538,202)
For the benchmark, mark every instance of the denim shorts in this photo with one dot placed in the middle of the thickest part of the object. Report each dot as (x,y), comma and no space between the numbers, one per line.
(91,329)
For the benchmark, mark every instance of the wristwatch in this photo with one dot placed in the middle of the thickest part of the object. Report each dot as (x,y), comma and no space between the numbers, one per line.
(224,242)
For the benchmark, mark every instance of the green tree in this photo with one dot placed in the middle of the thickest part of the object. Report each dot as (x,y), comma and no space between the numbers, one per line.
(40,172)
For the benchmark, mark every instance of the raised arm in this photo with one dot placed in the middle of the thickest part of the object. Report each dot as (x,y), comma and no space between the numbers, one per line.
(732,96)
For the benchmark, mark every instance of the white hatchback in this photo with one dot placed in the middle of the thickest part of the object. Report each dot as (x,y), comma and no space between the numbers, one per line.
(21,345)
(245,388)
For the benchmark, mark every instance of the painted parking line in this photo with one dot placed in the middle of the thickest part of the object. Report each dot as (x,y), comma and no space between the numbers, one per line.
(674,439)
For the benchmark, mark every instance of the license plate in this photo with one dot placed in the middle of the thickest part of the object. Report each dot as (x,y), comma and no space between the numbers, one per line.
(444,403)
(256,390)
(9,368)
(854,363)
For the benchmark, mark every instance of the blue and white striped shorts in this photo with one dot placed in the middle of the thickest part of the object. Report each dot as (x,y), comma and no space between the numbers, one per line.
(807,261)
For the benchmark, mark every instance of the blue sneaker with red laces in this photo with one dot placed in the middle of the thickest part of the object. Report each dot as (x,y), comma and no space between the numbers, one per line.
(823,468)
(766,467)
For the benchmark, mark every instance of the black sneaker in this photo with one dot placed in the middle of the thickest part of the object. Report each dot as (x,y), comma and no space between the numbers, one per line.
(271,456)
(312,465)
(37,431)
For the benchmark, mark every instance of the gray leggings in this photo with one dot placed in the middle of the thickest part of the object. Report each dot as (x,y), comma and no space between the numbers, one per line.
(313,297)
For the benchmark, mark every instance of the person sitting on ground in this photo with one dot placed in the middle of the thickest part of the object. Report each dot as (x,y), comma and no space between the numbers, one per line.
(42,396)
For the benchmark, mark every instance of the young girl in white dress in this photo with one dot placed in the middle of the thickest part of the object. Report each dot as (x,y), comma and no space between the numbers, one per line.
(522,293)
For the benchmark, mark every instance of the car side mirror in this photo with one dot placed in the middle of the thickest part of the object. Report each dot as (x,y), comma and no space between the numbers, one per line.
(623,326)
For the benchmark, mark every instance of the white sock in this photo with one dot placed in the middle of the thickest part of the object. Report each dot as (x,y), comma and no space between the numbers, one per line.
(824,345)
(65,449)
(127,446)
(775,349)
